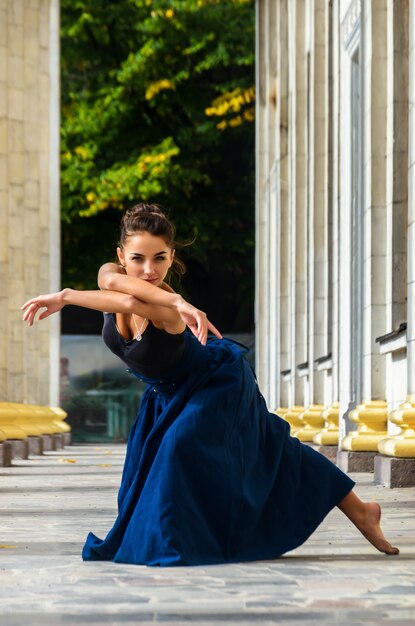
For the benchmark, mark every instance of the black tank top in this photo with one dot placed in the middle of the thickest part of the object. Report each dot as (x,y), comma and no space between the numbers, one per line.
(153,356)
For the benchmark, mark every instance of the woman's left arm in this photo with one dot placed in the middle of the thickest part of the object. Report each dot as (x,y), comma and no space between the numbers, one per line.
(105,301)
(115,302)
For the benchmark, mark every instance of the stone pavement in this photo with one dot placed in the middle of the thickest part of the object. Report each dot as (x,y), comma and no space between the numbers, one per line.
(50,503)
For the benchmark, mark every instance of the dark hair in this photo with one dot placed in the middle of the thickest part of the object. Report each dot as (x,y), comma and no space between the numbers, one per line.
(149,218)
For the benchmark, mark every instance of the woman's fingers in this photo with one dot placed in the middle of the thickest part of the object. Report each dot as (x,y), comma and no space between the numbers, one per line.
(27,314)
(203,327)
(214,330)
(28,303)
(30,316)
(51,303)
(30,308)
(196,331)
(198,323)
(44,314)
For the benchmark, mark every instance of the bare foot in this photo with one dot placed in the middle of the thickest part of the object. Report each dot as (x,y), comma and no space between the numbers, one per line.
(370,528)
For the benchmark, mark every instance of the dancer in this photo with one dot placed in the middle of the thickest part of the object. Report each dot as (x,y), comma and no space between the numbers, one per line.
(210,475)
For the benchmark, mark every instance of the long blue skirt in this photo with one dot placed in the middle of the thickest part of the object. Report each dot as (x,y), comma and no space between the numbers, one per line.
(210,475)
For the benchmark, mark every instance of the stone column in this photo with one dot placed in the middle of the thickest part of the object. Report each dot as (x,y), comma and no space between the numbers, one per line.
(371,415)
(286,398)
(29,195)
(411,208)
(54,197)
(334,198)
(397,203)
(272,193)
(317,248)
(401,471)
(325,344)
(374,198)
(298,192)
(349,63)
(318,199)
(262,264)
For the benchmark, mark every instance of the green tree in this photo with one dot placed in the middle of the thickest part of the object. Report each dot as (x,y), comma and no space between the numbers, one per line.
(158,105)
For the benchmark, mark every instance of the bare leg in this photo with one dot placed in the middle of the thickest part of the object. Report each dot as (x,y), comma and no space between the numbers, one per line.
(366,517)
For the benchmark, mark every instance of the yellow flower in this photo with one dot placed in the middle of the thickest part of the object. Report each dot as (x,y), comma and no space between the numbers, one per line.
(154,88)
(235,121)
(232,101)
(169,14)
(249,114)
(82,152)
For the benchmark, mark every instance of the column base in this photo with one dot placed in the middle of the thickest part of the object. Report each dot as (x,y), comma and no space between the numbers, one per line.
(398,446)
(355,461)
(313,423)
(327,438)
(330,452)
(362,442)
(5,454)
(371,419)
(291,416)
(394,472)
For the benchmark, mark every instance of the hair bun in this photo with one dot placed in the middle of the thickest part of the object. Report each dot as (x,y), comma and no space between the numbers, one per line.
(142,209)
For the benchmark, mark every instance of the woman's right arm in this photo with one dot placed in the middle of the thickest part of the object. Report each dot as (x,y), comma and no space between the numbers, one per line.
(112,277)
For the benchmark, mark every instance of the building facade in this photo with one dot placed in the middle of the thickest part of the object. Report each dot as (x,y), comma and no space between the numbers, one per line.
(29,196)
(335,294)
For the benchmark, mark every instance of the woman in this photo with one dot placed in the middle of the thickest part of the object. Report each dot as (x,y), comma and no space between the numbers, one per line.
(210,476)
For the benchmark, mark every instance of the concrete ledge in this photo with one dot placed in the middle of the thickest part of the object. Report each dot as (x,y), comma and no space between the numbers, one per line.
(355,461)
(330,452)
(47,443)
(57,442)
(19,448)
(67,439)
(5,454)
(394,472)
(35,445)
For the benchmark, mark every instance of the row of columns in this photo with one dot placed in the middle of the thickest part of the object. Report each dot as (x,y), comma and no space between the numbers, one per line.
(335,219)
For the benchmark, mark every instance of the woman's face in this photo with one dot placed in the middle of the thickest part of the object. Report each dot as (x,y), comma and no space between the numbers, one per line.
(146,256)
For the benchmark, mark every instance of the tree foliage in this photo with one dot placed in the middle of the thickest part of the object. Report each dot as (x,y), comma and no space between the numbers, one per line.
(158,105)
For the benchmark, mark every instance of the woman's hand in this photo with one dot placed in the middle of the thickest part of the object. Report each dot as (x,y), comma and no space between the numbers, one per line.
(197,321)
(52,302)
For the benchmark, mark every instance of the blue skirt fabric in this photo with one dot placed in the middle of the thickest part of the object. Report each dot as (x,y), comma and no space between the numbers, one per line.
(210,475)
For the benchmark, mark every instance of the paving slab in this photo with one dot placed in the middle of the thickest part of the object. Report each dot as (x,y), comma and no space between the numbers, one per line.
(51,502)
